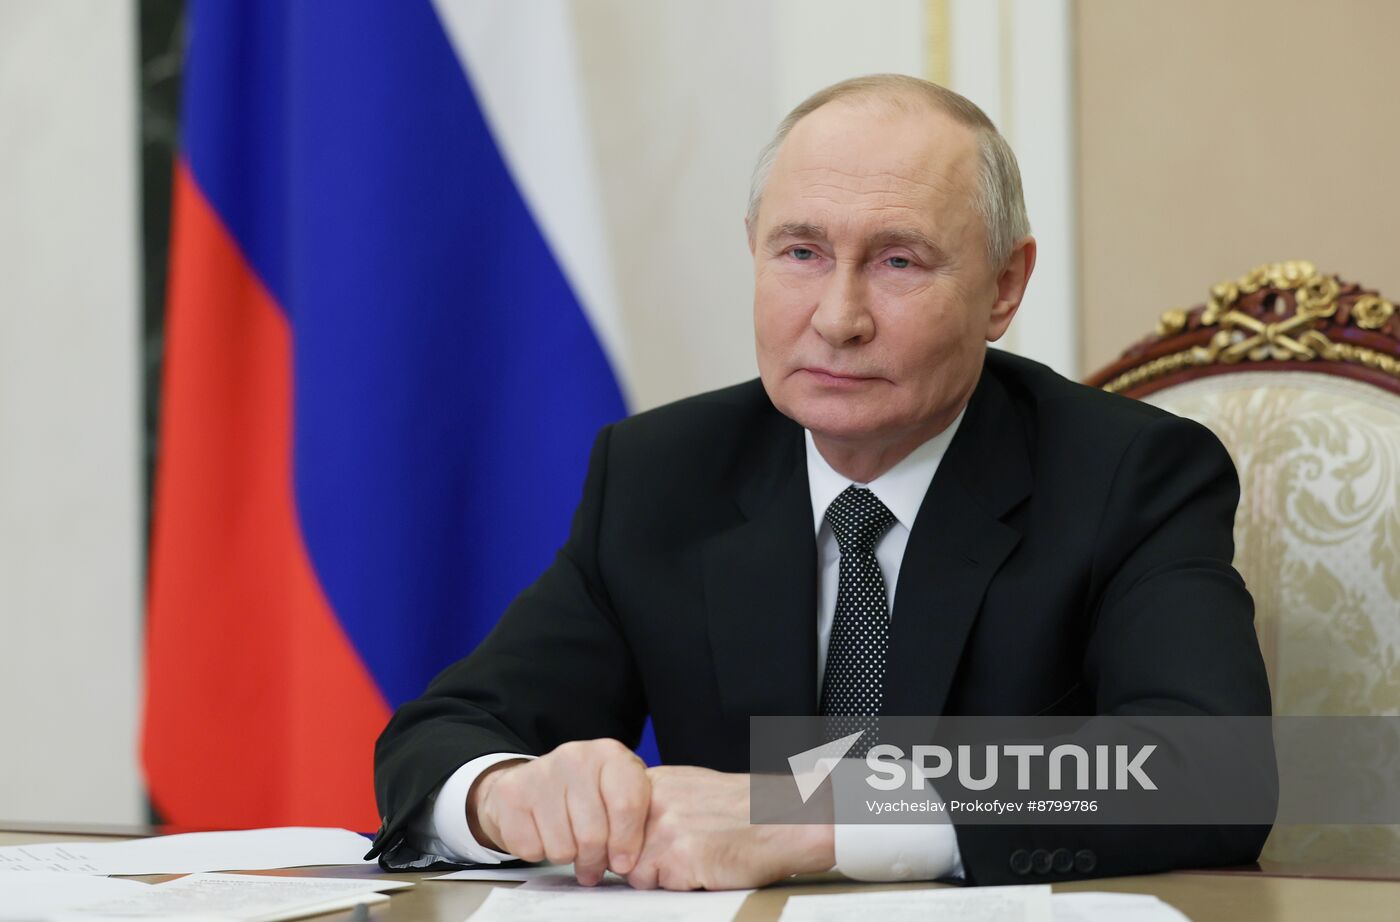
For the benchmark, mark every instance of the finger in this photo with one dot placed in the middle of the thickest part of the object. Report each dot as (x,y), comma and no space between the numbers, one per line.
(671,877)
(626,792)
(589,821)
(643,875)
(556,835)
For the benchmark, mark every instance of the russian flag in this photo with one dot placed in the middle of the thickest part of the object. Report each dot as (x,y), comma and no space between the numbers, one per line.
(390,341)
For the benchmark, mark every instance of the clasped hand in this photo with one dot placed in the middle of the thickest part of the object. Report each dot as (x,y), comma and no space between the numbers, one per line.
(596,804)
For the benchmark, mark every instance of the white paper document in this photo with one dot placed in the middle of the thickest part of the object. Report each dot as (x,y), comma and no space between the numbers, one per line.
(40,894)
(965,904)
(242,897)
(547,899)
(1034,903)
(520,875)
(1113,907)
(190,853)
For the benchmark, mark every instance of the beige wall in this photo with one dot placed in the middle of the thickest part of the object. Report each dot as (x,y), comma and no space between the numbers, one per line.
(1214,136)
(680,99)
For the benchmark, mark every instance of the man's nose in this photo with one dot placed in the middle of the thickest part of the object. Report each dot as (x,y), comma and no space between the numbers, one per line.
(842,317)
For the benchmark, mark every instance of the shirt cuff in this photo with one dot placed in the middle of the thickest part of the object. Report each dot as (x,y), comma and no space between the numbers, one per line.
(925,851)
(451,836)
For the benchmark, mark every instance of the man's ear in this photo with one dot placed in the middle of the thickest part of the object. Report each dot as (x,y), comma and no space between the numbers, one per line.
(1011,287)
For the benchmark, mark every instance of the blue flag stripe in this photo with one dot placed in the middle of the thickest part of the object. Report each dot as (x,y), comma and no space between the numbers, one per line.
(448,384)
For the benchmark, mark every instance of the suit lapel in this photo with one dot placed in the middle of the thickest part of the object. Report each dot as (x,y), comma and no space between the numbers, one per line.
(956,546)
(760,581)
(760,577)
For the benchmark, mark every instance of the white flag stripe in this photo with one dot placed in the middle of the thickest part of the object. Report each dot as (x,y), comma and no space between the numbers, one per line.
(524,73)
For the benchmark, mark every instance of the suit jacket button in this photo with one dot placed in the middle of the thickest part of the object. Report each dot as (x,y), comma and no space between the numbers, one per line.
(1061,861)
(1020,862)
(1040,861)
(1085,861)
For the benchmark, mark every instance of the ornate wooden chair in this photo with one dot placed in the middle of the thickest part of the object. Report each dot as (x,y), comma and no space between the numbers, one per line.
(1298,373)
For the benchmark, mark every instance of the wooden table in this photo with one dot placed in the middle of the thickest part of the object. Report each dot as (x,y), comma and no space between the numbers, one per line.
(1275,893)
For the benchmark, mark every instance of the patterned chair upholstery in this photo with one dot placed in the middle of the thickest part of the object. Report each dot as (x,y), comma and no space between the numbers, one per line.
(1298,373)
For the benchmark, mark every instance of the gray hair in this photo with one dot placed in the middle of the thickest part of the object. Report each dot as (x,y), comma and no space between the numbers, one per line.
(999,200)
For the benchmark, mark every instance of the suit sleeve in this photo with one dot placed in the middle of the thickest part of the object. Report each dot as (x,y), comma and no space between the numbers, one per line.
(1171,634)
(555,668)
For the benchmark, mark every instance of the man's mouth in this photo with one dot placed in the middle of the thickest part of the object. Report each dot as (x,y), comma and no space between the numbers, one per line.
(837,378)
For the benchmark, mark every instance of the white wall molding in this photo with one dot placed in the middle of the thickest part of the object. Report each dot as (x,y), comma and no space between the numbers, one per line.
(70,433)
(1014,58)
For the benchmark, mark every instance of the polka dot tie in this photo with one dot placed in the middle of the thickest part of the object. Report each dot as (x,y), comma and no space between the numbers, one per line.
(860,632)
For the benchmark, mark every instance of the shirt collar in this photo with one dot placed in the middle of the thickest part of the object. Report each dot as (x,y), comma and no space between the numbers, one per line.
(901,488)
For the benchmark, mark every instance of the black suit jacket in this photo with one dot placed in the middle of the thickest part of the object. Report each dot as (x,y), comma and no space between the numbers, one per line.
(1072,556)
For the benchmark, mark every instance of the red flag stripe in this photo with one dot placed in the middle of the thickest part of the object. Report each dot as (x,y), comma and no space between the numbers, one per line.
(258,709)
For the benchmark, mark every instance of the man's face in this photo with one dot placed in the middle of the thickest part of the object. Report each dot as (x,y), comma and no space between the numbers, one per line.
(874,297)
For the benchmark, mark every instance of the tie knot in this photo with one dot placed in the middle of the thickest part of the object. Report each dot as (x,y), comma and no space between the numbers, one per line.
(858,519)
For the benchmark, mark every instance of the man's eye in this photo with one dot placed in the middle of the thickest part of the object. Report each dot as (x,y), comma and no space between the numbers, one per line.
(899,262)
(803,254)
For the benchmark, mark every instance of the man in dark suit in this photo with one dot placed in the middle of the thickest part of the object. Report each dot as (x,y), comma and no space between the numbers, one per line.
(893,520)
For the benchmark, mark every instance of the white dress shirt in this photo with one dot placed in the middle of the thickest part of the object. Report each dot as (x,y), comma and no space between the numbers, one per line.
(863,852)
(889,851)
